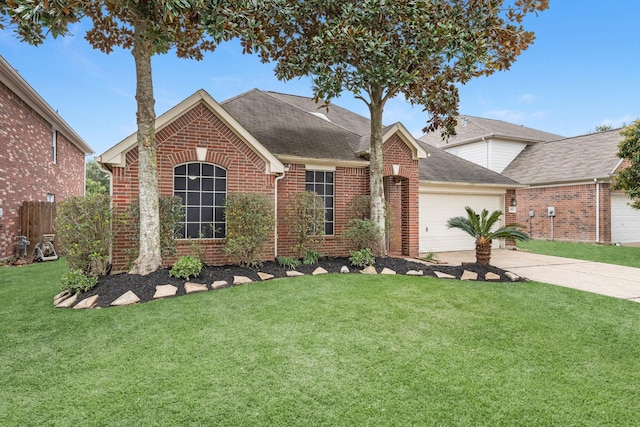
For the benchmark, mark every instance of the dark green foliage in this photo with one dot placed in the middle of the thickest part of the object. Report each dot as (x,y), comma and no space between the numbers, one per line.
(362,258)
(97,180)
(250,223)
(363,233)
(306,221)
(171,215)
(186,267)
(311,257)
(628,178)
(75,281)
(288,262)
(85,231)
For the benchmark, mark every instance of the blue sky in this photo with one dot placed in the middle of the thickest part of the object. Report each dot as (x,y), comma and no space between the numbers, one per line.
(582,71)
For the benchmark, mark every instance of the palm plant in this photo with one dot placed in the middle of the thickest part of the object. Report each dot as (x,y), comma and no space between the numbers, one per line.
(479,227)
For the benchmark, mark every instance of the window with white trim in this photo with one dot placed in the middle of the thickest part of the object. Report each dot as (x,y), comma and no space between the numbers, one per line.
(203,190)
(54,146)
(321,182)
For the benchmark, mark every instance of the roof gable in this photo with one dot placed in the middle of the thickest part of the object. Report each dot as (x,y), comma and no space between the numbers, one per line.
(586,157)
(116,156)
(18,85)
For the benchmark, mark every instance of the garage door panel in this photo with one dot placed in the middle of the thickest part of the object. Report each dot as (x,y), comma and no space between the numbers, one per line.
(435,211)
(625,220)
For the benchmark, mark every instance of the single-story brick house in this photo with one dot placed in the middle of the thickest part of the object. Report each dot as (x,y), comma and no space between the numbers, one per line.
(278,145)
(42,158)
(572,175)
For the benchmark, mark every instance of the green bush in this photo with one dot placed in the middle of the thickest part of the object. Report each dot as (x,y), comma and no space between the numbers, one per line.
(75,281)
(288,262)
(171,216)
(362,258)
(311,257)
(250,222)
(306,221)
(186,267)
(85,230)
(363,233)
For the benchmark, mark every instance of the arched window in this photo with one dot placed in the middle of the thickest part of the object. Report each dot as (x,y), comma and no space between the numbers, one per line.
(203,190)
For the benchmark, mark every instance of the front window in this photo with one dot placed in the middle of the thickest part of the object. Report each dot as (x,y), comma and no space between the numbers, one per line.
(321,182)
(203,190)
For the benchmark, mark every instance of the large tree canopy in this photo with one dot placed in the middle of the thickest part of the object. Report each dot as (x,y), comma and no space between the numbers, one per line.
(628,178)
(422,49)
(145,27)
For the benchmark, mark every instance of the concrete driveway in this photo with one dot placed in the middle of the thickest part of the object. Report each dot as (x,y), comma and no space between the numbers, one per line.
(606,279)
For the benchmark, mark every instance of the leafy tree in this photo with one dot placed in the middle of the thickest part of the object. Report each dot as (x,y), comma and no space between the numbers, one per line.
(479,227)
(378,49)
(97,181)
(628,178)
(147,28)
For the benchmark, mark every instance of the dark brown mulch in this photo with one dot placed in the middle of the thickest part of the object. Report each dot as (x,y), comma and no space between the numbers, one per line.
(109,288)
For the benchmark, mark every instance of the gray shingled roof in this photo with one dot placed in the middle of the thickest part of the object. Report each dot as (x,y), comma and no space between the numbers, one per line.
(472,128)
(565,160)
(293,125)
(441,166)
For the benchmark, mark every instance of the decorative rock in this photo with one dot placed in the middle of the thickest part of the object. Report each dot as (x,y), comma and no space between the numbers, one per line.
(387,271)
(87,302)
(294,273)
(344,269)
(67,302)
(126,299)
(512,276)
(61,297)
(414,273)
(190,287)
(369,270)
(469,275)
(441,275)
(264,276)
(163,291)
(491,276)
(241,280)
(219,284)
(319,270)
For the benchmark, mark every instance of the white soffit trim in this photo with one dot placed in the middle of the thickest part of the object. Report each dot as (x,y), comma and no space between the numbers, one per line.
(115,156)
(464,188)
(322,162)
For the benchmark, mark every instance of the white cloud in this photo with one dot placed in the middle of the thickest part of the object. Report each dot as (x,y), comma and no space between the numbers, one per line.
(618,122)
(527,98)
(506,115)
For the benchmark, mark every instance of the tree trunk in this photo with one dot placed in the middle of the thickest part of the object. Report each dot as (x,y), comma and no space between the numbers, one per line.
(376,165)
(483,251)
(149,259)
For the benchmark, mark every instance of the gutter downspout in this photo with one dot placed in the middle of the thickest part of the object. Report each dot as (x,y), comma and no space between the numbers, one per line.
(597,210)
(275,212)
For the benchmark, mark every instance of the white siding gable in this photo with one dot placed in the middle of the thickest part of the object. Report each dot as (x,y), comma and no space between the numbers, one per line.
(502,153)
(476,152)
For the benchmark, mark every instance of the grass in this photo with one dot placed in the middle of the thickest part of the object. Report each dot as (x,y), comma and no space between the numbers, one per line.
(611,254)
(324,350)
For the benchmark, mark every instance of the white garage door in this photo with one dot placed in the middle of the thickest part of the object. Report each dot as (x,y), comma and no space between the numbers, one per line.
(625,220)
(435,211)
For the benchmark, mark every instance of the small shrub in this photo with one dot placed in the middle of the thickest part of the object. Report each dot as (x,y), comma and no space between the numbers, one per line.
(288,262)
(362,258)
(75,281)
(363,233)
(311,257)
(186,267)
(250,222)
(306,221)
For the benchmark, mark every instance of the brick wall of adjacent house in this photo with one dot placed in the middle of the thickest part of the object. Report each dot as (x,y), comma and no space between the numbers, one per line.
(199,127)
(575,219)
(26,168)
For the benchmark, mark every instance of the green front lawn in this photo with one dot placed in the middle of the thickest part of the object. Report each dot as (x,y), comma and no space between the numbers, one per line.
(346,350)
(610,254)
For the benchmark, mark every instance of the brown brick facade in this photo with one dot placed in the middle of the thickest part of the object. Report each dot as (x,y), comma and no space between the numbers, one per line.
(575,219)
(26,168)
(199,127)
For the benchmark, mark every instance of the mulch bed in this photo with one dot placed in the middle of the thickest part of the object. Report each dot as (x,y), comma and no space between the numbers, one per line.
(112,287)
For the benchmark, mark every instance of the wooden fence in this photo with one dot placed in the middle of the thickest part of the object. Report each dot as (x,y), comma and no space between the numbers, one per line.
(36,219)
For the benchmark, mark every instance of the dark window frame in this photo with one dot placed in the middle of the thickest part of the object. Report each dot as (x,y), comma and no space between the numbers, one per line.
(322,182)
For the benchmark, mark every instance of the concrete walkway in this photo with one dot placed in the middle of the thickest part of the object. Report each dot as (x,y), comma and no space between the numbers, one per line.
(606,279)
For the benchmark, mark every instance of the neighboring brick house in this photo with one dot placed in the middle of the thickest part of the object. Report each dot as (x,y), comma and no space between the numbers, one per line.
(273,144)
(41,157)
(574,176)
